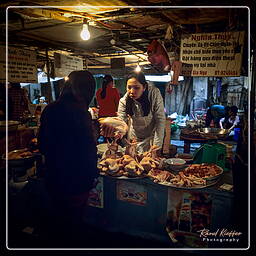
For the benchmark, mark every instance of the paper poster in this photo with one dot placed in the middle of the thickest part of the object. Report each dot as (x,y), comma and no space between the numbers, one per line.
(187,214)
(212,54)
(21,65)
(64,64)
(131,192)
(96,195)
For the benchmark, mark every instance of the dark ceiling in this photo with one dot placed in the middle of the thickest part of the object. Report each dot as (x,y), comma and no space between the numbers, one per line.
(56,25)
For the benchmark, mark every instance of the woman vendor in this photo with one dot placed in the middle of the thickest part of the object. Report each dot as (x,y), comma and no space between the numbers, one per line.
(231,120)
(142,108)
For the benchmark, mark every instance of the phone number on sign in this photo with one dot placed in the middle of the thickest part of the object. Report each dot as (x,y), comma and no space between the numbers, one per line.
(226,72)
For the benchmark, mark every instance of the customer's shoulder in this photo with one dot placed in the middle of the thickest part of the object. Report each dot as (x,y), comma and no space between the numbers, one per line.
(51,108)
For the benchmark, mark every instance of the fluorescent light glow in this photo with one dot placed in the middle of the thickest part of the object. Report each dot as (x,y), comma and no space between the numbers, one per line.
(85,34)
(163,78)
(138,68)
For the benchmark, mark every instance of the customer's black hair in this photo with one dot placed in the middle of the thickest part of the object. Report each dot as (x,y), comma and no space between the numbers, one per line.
(143,100)
(17,85)
(80,86)
(106,80)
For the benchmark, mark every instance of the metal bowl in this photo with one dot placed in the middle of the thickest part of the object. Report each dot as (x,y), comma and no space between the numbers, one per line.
(187,157)
(191,124)
(25,161)
(215,132)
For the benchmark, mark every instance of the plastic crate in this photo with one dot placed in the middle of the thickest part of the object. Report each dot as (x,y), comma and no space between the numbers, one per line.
(211,153)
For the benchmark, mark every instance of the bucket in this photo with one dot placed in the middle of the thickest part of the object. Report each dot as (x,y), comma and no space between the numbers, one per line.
(236,133)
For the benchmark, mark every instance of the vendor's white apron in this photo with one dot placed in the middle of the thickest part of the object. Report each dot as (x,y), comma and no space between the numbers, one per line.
(142,130)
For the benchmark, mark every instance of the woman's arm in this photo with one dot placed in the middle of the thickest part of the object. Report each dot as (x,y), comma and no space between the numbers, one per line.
(221,121)
(108,129)
(236,121)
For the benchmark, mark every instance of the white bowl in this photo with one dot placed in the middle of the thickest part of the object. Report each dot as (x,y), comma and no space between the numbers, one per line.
(175,164)
(175,161)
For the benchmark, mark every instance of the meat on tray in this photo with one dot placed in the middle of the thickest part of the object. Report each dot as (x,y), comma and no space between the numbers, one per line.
(160,175)
(203,170)
(179,180)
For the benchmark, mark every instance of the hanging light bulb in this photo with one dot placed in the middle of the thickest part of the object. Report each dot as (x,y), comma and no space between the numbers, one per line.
(85,34)
(138,68)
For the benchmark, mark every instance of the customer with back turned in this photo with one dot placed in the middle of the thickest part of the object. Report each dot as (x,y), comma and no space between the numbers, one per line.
(107,97)
(66,140)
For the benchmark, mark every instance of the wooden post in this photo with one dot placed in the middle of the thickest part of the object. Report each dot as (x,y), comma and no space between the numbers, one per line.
(49,96)
(47,66)
(167,137)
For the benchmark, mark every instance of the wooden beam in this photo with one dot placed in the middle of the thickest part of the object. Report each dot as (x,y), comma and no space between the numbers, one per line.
(110,55)
(40,27)
(85,15)
(136,46)
(36,12)
(121,48)
(126,65)
(63,45)
(56,14)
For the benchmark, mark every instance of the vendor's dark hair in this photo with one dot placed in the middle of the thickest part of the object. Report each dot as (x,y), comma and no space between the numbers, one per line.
(144,101)
(234,110)
(106,80)
(227,108)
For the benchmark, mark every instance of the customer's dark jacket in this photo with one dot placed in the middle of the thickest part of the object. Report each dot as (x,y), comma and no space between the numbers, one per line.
(66,140)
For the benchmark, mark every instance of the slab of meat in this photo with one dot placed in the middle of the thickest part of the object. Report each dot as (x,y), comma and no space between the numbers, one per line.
(158,56)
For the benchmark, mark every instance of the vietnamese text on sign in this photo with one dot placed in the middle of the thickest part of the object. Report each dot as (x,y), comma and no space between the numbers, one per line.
(21,65)
(212,54)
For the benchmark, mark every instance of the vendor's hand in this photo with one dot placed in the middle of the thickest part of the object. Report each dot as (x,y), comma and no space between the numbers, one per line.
(107,130)
(113,127)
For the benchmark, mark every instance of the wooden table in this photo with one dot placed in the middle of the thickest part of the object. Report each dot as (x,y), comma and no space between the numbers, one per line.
(189,140)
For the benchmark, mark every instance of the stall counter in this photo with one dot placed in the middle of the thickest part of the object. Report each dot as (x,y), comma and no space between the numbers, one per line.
(139,207)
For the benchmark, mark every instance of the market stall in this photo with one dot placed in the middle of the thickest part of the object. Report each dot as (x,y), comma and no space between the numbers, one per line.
(140,207)
(171,203)
(196,61)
